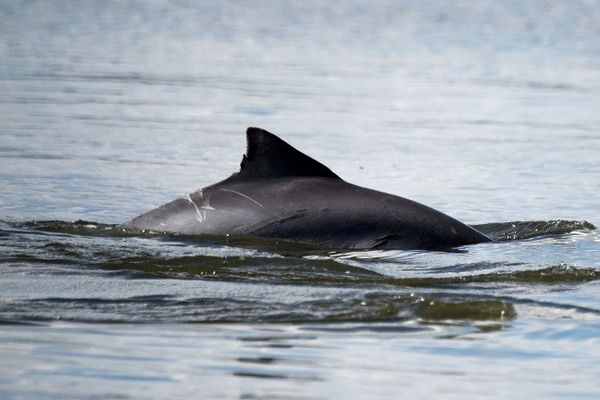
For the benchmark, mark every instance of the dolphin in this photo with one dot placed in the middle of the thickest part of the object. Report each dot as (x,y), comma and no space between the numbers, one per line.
(282,193)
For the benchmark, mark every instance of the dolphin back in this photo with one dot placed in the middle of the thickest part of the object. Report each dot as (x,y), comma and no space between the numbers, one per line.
(281,192)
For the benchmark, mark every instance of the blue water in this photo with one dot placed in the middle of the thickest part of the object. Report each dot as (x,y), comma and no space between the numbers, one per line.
(486,111)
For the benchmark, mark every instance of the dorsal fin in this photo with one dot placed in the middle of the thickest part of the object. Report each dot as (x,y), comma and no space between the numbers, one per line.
(267,156)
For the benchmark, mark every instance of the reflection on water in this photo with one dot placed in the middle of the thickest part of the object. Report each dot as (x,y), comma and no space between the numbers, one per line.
(486,111)
(256,361)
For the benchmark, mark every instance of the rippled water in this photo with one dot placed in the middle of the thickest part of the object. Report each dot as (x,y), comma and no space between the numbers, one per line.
(486,111)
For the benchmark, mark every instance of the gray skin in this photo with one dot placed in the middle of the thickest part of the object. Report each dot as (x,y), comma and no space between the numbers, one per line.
(282,193)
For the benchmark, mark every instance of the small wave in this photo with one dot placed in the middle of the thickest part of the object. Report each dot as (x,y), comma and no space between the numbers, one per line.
(370,307)
(327,272)
(504,231)
(272,269)
(403,308)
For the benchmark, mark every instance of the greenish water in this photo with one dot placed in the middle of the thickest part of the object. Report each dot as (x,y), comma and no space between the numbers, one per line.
(487,112)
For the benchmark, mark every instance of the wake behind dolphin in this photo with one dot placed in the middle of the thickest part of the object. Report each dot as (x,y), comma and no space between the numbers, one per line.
(282,193)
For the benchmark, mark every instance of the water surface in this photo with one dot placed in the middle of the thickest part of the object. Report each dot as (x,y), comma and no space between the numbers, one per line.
(486,111)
